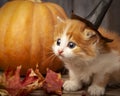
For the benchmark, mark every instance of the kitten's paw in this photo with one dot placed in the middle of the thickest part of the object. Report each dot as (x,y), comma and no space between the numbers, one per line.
(70,85)
(96,90)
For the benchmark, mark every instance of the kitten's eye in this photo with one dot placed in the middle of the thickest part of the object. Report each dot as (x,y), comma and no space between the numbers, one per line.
(58,42)
(71,45)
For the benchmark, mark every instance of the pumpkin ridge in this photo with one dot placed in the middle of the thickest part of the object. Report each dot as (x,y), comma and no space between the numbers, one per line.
(16,37)
(31,39)
(46,40)
(4,22)
(53,10)
(6,40)
(59,9)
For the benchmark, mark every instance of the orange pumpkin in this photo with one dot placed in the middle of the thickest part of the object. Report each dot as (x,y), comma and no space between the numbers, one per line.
(26,34)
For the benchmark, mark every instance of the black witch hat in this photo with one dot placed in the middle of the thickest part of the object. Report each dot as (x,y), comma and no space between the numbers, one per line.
(94,19)
(97,14)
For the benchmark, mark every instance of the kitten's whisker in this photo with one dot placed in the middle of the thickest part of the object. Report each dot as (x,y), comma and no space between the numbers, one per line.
(51,58)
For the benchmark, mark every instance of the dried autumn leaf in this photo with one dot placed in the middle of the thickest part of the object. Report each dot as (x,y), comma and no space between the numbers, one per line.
(3,92)
(53,82)
(17,86)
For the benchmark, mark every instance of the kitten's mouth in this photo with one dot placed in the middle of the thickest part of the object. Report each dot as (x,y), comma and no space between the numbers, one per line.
(60,55)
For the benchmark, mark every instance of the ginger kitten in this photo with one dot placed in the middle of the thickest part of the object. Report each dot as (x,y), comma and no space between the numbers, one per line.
(90,57)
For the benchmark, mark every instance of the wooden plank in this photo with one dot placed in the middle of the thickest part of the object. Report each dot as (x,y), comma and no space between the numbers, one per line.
(110,91)
(113,90)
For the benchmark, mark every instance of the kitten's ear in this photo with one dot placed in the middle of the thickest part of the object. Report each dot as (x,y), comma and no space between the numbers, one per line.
(89,34)
(94,36)
(59,19)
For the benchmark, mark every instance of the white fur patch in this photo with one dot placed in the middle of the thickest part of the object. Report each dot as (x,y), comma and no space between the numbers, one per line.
(96,90)
(71,85)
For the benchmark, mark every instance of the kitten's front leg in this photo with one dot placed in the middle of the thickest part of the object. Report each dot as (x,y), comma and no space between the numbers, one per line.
(98,85)
(73,84)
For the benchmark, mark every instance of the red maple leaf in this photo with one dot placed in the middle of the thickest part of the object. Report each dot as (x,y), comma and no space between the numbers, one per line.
(17,86)
(53,82)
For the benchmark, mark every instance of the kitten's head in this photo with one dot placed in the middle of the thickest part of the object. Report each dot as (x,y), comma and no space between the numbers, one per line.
(75,39)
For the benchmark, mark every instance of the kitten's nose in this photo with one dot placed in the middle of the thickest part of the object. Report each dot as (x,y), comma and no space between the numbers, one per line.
(60,52)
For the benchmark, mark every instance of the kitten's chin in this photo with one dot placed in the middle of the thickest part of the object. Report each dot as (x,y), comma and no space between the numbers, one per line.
(66,58)
(61,57)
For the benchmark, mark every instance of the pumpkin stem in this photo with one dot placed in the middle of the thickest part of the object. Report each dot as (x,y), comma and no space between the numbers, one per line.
(36,0)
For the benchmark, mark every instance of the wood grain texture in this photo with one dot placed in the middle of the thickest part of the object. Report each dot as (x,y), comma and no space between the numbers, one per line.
(83,7)
(113,90)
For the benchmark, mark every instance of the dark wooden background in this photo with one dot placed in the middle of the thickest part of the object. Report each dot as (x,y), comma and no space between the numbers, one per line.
(83,7)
